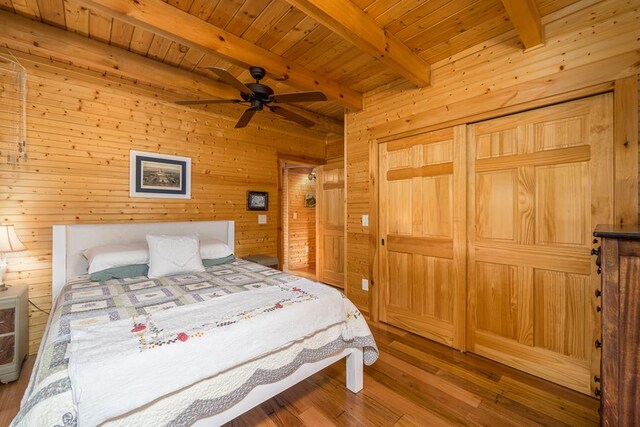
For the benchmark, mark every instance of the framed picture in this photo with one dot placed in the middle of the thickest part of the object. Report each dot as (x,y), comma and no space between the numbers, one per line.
(159,175)
(310,200)
(257,201)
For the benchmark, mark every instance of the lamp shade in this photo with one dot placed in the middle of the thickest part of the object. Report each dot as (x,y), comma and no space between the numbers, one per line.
(9,241)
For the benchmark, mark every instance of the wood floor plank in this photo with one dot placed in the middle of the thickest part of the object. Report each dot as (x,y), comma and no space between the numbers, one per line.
(416,382)
(313,417)
(434,380)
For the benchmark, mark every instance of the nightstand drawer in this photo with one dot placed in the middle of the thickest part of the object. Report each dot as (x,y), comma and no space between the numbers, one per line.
(6,349)
(7,320)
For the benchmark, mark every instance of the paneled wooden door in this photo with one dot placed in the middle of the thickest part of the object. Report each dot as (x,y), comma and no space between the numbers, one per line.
(422,211)
(330,230)
(539,182)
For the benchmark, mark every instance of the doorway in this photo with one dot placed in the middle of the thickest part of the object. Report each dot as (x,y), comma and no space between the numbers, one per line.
(299,219)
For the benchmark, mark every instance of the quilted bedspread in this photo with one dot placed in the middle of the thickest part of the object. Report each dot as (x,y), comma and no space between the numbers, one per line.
(85,305)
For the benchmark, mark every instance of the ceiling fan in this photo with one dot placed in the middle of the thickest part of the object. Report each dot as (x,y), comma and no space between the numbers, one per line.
(258,96)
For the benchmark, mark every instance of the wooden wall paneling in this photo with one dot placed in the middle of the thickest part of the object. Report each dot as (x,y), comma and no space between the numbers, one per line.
(81,126)
(335,146)
(625,150)
(359,193)
(301,220)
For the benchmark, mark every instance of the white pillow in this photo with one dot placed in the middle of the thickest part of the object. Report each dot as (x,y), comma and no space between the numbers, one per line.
(169,255)
(214,249)
(110,256)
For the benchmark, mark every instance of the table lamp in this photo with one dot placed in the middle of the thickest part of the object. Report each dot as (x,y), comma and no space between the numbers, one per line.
(9,242)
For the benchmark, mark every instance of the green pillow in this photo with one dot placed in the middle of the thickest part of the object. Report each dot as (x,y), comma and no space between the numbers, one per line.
(218,261)
(124,272)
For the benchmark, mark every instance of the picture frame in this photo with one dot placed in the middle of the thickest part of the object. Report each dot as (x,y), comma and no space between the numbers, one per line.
(310,200)
(257,201)
(153,175)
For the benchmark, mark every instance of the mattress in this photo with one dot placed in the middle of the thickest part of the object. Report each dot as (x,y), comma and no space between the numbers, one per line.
(49,399)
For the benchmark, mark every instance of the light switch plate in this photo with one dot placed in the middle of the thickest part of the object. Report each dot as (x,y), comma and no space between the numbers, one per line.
(262,219)
(365,285)
(365,220)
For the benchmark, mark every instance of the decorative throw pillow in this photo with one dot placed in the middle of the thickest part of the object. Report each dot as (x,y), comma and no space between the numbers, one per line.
(111,256)
(214,249)
(170,255)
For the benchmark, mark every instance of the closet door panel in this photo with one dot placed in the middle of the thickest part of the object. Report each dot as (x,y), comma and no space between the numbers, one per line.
(539,183)
(421,220)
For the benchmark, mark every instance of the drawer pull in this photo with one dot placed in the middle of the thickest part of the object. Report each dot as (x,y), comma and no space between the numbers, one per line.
(598,309)
(598,293)
(596,379)
(597,392)
(598,344)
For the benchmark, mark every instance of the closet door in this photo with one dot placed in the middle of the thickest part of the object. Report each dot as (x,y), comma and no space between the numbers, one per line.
(330,223)
(422,210)
(539,182)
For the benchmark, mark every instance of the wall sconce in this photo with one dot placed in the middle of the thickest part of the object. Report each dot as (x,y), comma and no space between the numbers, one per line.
(9,242)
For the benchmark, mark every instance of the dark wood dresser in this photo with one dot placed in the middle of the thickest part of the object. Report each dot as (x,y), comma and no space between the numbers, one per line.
(620,262)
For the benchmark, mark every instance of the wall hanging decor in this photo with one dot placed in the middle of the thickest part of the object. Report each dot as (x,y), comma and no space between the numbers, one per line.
(13,109)
(155,175)
(257,201)
(310,200)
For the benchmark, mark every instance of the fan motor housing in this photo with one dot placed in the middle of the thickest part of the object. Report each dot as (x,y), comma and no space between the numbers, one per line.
(262,92)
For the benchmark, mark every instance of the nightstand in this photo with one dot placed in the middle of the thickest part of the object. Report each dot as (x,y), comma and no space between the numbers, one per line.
(14,331)
(266,260)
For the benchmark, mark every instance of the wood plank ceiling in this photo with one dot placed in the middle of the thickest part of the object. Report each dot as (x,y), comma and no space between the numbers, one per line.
(432,29)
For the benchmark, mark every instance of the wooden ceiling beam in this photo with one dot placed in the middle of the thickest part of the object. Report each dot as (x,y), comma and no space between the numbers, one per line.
(48,41)
(181,27)
(349,21)
(526,19)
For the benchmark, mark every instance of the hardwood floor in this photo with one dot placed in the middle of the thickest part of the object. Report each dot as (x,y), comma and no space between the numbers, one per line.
(11,393)
(416,382)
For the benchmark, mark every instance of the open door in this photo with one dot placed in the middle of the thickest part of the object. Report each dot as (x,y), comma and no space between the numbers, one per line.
(330,223)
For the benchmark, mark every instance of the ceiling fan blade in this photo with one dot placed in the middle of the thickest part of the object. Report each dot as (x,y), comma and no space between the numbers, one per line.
(229,79)
(299,97)
(245,118)
(289,115)
(208,101)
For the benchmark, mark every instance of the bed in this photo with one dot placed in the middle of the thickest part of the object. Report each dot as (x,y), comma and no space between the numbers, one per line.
(204,347)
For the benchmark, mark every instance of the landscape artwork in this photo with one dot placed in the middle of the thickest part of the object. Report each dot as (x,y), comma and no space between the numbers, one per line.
(154,175)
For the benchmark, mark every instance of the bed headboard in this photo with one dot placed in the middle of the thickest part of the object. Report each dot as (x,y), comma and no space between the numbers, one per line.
(70,240)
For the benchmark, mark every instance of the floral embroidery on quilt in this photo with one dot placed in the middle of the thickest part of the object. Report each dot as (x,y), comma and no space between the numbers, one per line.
(150,336)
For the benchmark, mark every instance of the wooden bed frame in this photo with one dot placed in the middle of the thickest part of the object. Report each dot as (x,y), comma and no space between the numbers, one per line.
(70,240)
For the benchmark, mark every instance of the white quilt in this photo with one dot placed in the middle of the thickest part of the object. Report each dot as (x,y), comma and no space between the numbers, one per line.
(143,358)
